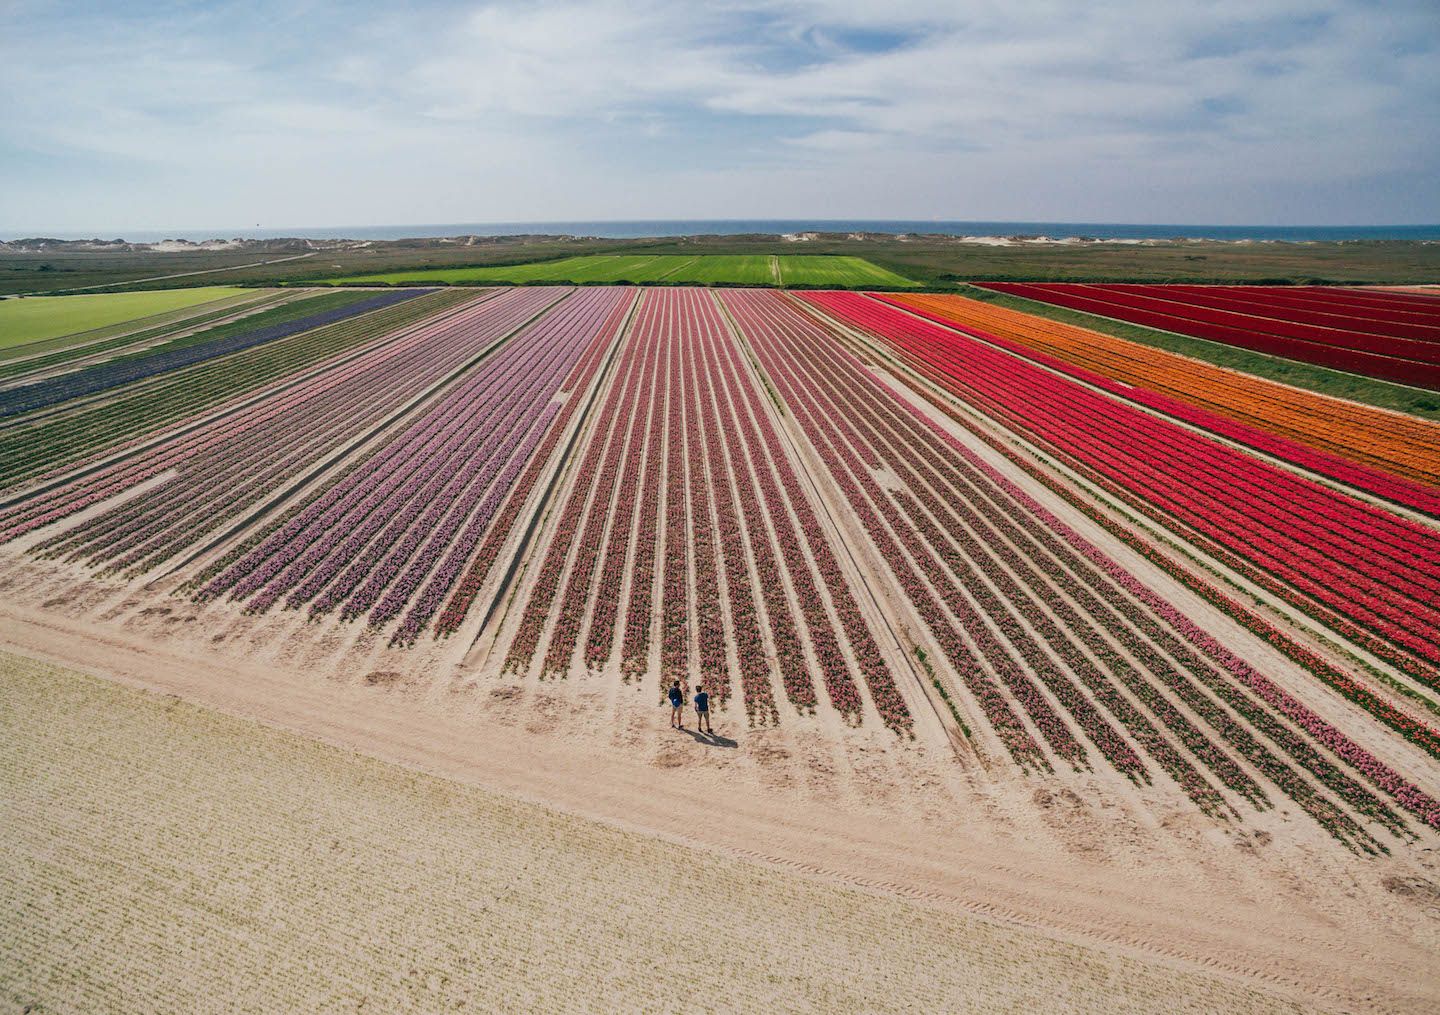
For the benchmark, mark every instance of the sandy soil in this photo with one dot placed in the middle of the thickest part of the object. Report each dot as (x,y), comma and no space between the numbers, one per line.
(162,857)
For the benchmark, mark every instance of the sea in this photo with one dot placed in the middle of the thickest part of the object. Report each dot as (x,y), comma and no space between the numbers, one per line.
(633,228)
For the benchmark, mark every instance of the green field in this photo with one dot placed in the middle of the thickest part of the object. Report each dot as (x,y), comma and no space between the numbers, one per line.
(700,269)
(36,318)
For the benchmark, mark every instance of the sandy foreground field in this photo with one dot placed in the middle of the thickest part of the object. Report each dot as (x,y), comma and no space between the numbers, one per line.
(159,856)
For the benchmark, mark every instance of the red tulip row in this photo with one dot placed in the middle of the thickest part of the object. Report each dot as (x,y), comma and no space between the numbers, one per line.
(1398,489)
(1323,307)
(475,575)
(223,473)
(722,462)
(1409,361)
(844,465)
(901,441)
(879,420)
(709,617)
(675,576)
(873,669)
(1423,736)
(1353,558)
(1017,518)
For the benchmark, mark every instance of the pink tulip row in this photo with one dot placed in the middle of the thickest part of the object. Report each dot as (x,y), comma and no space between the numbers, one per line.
(381,529)
(688,440)
(639,390)
(617,408)
(1018,518)
(230,466)
(1354,559)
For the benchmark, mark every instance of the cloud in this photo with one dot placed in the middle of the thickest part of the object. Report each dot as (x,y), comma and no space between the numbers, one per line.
(317,113)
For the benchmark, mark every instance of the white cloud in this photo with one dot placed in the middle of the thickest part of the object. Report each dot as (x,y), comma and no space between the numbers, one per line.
(604,109)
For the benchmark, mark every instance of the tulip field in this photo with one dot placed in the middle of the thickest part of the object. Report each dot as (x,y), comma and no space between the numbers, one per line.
(912,522)
(1394,336)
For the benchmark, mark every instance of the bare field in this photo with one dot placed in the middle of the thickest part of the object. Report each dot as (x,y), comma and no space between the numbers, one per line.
(162,857)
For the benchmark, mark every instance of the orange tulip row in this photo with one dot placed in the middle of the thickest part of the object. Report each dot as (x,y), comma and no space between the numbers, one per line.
(1389,441)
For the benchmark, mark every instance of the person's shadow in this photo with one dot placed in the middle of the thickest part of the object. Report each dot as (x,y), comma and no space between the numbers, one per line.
(710,739)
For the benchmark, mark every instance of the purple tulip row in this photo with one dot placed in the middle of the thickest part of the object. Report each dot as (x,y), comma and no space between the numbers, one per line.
(479,569)
(72,498)
(232,463)
(410,515)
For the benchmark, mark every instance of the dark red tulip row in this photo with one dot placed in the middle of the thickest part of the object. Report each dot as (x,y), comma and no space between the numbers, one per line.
(1407,360)
(225,474)
(1334,552)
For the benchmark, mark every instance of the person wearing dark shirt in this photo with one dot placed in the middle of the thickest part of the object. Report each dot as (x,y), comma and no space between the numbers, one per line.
(702,710)
(677,706)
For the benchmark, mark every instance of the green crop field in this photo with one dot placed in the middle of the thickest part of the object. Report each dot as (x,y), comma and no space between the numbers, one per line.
(702,269)
(36,318)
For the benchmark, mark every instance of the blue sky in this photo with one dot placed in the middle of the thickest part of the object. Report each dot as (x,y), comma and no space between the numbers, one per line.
(197,115)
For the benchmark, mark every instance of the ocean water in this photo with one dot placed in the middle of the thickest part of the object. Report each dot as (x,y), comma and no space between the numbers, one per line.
(682,227)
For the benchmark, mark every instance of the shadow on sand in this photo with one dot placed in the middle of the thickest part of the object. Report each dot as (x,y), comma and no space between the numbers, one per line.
(710,739)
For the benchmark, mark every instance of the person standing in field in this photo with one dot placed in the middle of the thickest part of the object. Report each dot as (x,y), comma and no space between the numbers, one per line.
(677,706)
(702,711)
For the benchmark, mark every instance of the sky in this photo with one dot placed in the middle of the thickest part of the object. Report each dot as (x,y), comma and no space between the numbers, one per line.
(156,115)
